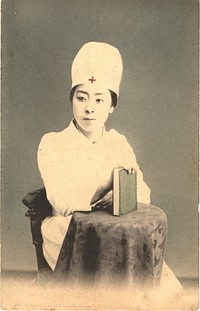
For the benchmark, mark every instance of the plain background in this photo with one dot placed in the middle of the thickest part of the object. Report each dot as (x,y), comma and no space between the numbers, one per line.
(157,109)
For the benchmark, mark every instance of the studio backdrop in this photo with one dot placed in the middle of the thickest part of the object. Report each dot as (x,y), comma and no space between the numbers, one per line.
(157,108)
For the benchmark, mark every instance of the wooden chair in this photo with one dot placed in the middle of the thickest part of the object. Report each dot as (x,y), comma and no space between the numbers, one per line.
(38,209)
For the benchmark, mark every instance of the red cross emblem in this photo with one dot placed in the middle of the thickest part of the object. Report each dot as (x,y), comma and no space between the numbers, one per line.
(92,79)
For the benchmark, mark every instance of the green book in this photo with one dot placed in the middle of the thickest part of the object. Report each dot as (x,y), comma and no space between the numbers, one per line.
(124,191)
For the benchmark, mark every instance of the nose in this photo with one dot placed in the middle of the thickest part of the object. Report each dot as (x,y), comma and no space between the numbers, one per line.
(89,107)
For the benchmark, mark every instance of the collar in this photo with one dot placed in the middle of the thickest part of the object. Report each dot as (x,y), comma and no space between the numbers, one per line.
(73,125)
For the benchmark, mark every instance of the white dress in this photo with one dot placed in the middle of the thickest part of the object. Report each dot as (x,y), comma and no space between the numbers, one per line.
(75,171)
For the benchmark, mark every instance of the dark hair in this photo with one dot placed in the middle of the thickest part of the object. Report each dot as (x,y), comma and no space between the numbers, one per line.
(113,95)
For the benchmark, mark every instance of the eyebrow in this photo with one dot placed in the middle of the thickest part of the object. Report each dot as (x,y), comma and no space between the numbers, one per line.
(80,91)
(83,92)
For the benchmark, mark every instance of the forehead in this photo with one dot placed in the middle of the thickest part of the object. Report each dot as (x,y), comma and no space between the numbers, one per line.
(91,89)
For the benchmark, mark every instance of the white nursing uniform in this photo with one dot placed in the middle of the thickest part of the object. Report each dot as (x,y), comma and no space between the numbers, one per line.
(74,170)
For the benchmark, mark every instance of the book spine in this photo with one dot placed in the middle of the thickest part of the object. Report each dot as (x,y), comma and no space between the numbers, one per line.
(135,173)
(116,192)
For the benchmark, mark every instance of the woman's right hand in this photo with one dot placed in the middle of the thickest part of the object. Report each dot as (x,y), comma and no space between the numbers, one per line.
(104,202)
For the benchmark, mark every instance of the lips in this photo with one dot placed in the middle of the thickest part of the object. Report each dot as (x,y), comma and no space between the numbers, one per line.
(89,119)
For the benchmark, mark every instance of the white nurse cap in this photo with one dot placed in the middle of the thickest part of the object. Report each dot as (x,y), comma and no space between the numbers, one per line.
(100,63)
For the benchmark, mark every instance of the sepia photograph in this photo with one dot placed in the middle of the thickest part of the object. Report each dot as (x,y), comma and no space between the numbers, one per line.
(99,201)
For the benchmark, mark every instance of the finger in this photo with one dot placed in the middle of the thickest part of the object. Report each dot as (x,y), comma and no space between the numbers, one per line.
(106,202)
(131,170)
(107,205)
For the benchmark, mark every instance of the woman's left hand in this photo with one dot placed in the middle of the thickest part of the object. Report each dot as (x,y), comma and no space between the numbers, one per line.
(129,170)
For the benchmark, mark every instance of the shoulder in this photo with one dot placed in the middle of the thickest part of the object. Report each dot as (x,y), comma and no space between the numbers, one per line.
(115,135)
(48,139)
(51,139)
(121,143)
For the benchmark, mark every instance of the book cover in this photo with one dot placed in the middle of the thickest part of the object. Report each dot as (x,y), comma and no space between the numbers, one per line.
(124,191)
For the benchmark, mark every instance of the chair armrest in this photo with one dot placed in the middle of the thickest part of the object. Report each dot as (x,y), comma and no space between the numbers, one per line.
(38,209)
(38,204)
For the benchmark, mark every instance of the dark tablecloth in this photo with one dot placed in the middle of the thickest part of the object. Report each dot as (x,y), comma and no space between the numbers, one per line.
(99,246)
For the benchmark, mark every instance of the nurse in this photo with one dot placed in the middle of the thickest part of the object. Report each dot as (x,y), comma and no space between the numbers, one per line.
(77,163)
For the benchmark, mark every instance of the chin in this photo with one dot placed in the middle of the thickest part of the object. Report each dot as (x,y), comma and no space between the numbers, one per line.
(91,127)
(88,129)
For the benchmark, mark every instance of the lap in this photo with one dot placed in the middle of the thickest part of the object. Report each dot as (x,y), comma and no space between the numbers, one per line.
(55,228)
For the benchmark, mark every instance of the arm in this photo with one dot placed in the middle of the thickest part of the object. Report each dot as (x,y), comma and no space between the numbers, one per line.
(121,155)
(57,171)
(143,191)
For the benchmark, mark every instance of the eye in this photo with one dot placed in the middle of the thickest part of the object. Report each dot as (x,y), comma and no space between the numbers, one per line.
(99,100)
(81,98)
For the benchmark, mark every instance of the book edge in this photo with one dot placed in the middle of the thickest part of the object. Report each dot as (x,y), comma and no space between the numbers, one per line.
(116,191)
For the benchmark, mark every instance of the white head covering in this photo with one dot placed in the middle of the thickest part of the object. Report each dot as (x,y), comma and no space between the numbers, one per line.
(99,63)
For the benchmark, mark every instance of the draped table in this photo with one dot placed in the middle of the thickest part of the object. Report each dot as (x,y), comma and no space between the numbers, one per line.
(99,246)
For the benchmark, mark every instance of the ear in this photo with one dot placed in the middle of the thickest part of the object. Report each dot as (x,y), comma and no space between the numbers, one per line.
(111,109)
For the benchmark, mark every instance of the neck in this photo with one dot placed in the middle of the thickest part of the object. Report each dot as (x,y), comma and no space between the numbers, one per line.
(92,136)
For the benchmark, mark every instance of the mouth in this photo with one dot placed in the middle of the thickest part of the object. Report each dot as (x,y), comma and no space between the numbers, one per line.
(89,119)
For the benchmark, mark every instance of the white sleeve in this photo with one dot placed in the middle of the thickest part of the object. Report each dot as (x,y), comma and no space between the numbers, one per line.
(143,191)
(50,166)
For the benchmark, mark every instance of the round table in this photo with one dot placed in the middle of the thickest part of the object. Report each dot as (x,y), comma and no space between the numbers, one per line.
(99,246)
